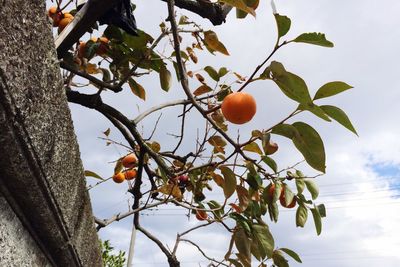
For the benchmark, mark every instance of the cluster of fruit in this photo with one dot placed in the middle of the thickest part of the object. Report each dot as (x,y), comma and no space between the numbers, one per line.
(60,19)
(129,162)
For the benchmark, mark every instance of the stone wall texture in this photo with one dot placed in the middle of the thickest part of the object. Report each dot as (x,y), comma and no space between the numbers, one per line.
(41,174)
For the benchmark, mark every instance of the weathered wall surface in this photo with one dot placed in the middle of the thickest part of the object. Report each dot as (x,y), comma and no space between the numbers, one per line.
(16,244)
(41,174)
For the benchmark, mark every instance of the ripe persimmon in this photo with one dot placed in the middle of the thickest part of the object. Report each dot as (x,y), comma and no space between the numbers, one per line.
(129,161)
(52,10)
(63,23)
(130,174)
(81,49)
(119,177)
(201,215)
(68,15)
(239,107)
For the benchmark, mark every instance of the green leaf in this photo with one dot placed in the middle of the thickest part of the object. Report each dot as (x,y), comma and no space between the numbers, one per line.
(222,72)
(316,110)
(313,38)
(301,216)
(288,195)
(165,78)
(310,145)
(254,180)
(270,162)
(312,187)
(230,181)
(292,254)
(242,221)
(273,211)
(331,88)
(322,210)
(285,130)
(217,209)
(253,147)
(137,89)
(240,5)
(242,243)
(283,24)
(300,184)
(137,42)
(263,239)
(317,220)
(113,32)
(290,84)
(279,259)
(93,174)
(340,116)
(212,72)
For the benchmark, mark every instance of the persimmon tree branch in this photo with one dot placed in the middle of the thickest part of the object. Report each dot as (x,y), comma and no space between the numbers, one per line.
(120,216)
(185,84)
(215,12)
(203,253)
(118,119)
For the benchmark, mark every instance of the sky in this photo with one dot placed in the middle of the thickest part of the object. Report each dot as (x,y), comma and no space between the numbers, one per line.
(361,188)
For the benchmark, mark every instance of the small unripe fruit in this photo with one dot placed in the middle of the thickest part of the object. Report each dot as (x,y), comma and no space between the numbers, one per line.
(271,148)
(201,215)
(183,179)
(118,177)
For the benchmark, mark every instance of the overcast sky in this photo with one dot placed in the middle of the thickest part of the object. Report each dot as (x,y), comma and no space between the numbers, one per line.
(361,189)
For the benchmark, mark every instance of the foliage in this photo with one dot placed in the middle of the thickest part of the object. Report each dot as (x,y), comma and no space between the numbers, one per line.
(110,259)
(246,173)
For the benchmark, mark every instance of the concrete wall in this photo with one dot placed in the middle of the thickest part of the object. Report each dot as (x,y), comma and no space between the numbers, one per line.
(17,246)
(41,174)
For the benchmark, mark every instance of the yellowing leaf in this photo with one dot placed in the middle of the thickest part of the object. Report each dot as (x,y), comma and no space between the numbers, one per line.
(211,40)
(107,132)
(253,147)
(137,89)
(92,69)
(93,174)
(202,90)
(118,167)
(217,141)
(165,78)
(243,196)
(240,5)
(218,179)
(170,190)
